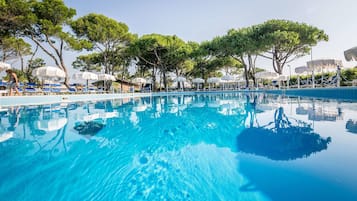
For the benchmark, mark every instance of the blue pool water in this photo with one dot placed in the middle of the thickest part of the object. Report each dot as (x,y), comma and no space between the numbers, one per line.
(230,146)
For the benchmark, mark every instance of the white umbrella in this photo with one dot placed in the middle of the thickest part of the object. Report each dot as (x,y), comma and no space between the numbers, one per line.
(85,76)
(4,66)
(282,78)
(180,79)
(321,64)
(213,80)
(302,69)
(52,124)
(351,54)
(139,80)
(228,78)
(266,75)
(198,80)
(48,72)
(106,77)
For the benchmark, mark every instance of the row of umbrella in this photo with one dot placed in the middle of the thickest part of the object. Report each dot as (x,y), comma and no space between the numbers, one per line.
(50,72)
(318,66)
(225,78)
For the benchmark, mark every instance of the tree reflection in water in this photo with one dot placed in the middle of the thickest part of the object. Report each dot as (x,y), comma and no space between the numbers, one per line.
(281,139)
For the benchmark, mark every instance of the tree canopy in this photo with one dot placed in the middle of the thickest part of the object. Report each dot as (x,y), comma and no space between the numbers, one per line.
(42,22)
(282,41)
(161,54)
(107,36)
(287,40)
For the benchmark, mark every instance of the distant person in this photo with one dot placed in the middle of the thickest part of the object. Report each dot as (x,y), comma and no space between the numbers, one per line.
(13,82)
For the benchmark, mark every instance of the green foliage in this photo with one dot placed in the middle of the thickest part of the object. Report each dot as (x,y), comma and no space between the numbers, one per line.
(106,36)
(7,49)
(43,23)
(238,43)
(51,16)
(90,62)
(243,45)
(279,40)
(11,48)
(38,62)
(348,75)
(15,16)
(287,40)
(164,54)
(207,61)
(101,30)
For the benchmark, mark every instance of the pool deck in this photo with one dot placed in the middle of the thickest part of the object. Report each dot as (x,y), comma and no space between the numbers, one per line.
(342,93)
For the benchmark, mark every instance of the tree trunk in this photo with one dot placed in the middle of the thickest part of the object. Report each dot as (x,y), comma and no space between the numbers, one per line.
(153,77)
(66,79)
(121,84)
(202,73)
(252,69)
(246,73)
(165,80)
(278,68)
(22,62)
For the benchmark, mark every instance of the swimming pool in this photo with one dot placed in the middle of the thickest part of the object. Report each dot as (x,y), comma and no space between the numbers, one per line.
(209,146)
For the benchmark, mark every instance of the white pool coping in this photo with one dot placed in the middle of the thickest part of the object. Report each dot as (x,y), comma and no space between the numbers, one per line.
(6,101)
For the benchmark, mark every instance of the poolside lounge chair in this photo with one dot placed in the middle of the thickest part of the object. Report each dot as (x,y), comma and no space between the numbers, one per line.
(30,90)
(72,90)
(306,83)
(330,81)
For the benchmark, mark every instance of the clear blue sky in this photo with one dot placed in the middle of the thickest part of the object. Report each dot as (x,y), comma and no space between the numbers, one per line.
(199,20)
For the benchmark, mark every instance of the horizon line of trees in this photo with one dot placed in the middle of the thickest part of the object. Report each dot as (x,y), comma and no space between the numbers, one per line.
(110,47)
